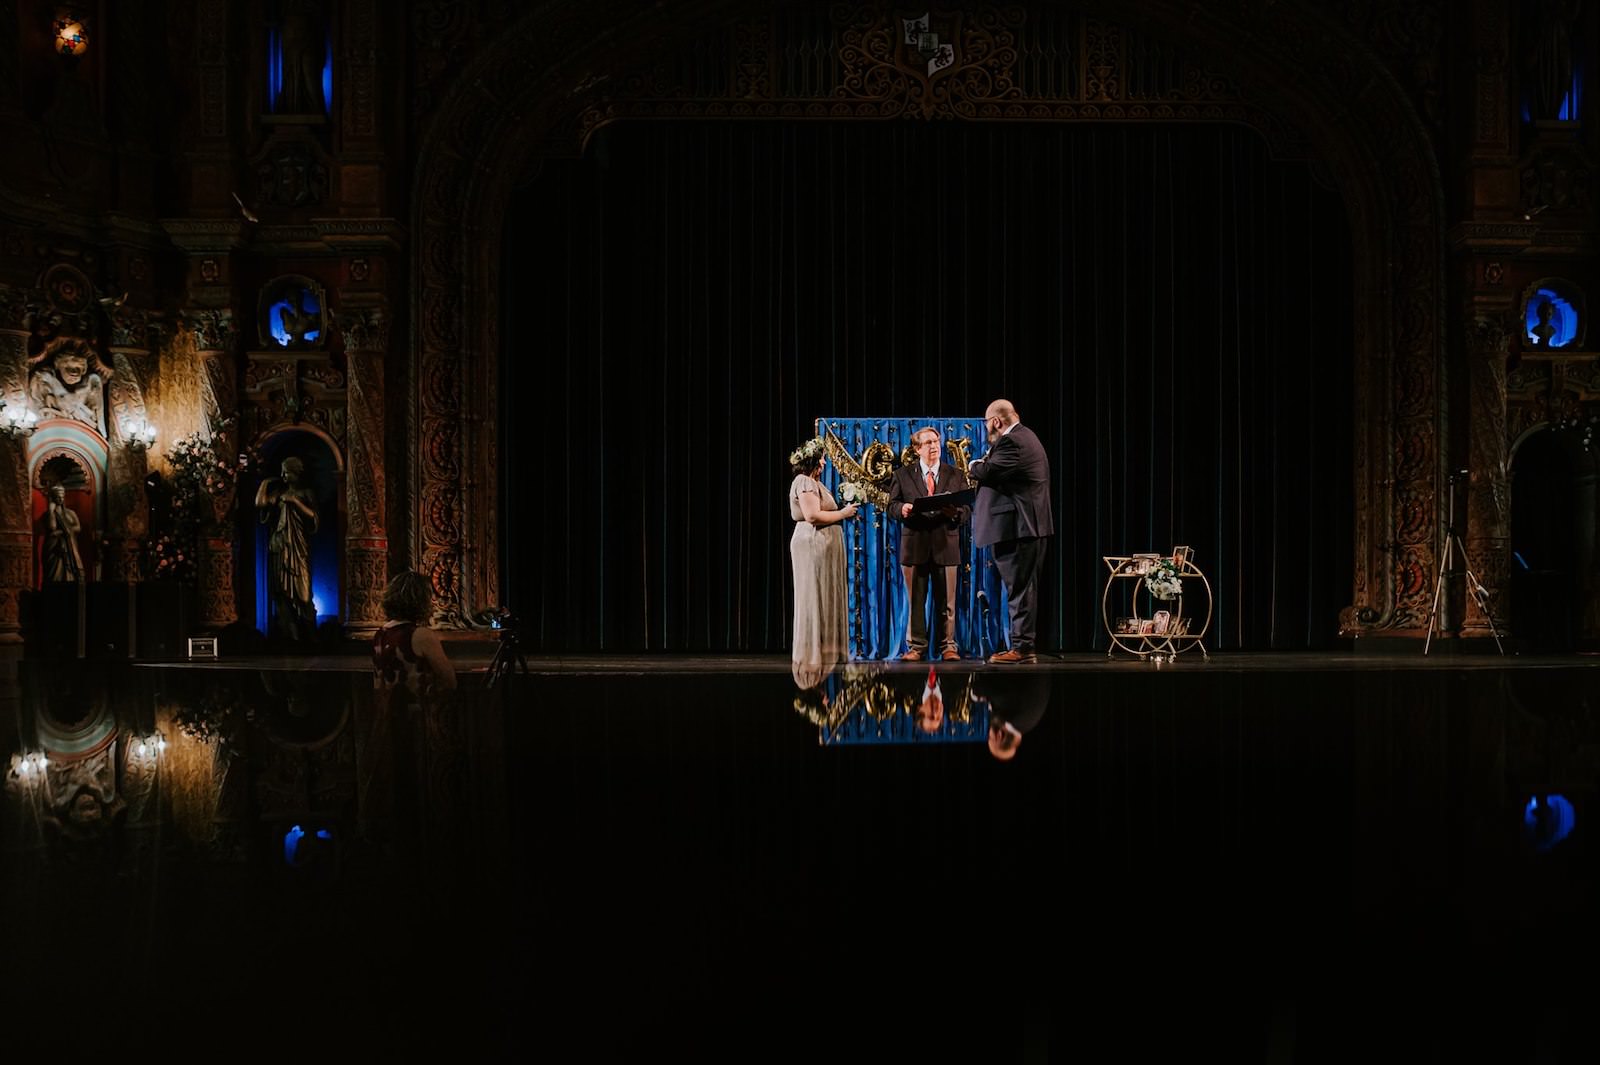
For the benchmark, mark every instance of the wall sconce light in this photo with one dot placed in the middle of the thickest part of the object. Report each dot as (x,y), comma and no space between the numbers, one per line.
(141,434)
(17,421)
(71,40)
(148,748)
(29,768)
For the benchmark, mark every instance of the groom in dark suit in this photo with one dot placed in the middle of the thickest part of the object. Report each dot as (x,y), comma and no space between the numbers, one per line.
(930,544)
(1012,516)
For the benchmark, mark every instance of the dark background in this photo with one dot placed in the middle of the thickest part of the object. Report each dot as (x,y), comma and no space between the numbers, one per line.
(1168,308)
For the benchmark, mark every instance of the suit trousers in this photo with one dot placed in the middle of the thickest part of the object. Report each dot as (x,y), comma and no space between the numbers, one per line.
(1020,563)
(941,580)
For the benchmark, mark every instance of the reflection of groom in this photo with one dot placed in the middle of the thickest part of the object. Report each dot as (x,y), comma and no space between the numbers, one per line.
(930,543)
(1017,702)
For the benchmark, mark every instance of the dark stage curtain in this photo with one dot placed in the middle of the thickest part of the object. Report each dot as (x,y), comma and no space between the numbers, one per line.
(1168,307)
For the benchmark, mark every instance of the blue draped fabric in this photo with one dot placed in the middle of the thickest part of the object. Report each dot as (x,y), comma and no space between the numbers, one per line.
(879,605)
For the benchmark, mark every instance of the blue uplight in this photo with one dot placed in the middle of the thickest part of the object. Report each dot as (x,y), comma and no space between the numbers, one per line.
(275,313)
(1563,319)
(1547,820)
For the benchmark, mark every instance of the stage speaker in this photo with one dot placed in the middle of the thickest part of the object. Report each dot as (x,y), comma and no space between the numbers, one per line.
(165,618)
(111,621)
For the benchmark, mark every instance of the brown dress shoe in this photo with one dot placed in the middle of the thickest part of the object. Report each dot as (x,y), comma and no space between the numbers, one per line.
(911,656)
(952,655)
(1008,658)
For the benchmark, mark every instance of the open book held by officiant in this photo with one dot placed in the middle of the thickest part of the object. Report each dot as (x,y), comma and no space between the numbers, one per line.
(941,500)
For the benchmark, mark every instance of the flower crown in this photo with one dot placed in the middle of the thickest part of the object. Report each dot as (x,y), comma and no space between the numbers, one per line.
(807,453)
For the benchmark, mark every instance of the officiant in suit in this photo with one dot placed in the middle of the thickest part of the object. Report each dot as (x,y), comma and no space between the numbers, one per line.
(930,544)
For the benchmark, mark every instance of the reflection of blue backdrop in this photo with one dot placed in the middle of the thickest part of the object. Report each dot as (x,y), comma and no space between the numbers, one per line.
(322,474)
(869,709)
(879,606)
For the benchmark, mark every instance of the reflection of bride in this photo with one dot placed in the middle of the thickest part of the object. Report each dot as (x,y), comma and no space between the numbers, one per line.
(811,673)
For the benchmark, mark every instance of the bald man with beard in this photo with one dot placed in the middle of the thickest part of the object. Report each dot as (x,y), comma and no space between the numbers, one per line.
(1012,517)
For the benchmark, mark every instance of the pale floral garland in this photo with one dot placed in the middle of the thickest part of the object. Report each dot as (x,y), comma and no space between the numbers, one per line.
(807,453)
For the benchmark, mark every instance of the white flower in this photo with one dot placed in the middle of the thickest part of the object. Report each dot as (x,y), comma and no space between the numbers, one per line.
(807,453)
(1163,581)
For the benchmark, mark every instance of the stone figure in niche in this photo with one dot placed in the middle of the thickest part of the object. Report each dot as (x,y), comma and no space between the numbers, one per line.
(1544,330)
(63,564)
(1549,56)
(67,380)
(297,322)
(303,51)
(291,508)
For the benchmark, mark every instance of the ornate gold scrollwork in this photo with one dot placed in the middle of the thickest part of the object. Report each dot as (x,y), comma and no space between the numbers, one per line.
(855,473)
(960,448)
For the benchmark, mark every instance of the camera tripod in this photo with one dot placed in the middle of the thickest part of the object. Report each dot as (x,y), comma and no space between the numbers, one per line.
(506,656)
(1452,544)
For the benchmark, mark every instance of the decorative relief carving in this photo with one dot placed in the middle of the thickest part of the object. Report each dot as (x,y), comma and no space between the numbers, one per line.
(364,404)
(1557,179)
(16,577)
(1492,113)
(752,43)
(211,66)
(291,173)
(214,330)
(217,607)
(365,574)
(865,64)
(365,329)
(1102,60)
(360,68)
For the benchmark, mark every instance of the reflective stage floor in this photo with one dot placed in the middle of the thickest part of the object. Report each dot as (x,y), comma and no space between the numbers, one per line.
(1256,858)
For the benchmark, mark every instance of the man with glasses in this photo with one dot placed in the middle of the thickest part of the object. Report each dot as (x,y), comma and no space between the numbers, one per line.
(930,544)
(1012,516)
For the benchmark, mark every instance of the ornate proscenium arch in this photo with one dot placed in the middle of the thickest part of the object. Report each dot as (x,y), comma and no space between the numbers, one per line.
(567,68)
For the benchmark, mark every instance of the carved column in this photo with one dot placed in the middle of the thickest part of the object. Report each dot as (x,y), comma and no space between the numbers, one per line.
(127,507)
(365,328)
(16,535)
(1488,532)
(214,336)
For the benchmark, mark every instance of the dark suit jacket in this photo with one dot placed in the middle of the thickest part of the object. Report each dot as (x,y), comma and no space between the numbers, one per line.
(1014,490)
(929,537)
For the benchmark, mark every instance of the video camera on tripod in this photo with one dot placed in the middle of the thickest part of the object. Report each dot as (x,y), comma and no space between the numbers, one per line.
(508,629)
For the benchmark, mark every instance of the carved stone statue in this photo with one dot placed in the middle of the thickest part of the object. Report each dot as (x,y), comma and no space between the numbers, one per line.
(292,509)
(297,322)
(303,54)
(1544,331)
(63,564)
(1549,56)
(67,380)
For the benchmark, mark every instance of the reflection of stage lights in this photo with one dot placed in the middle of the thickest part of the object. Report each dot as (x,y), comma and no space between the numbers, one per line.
(1547,820)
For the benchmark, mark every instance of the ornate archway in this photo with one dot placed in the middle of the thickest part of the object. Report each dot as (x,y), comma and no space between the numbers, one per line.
(1302,80)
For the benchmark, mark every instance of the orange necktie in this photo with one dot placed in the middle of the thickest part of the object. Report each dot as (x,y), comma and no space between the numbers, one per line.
(930,484)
